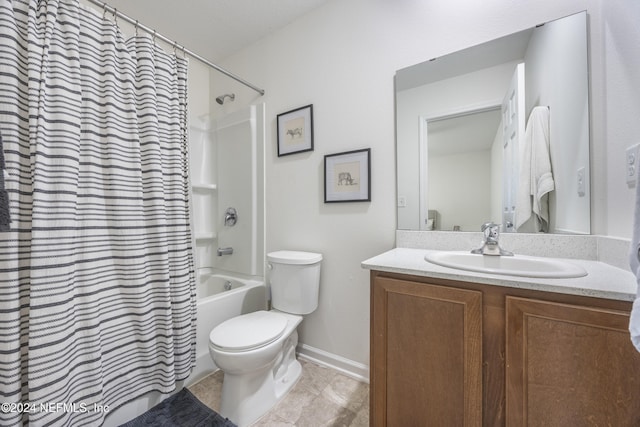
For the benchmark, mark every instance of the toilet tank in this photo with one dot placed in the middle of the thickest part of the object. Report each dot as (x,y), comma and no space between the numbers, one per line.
(294,280)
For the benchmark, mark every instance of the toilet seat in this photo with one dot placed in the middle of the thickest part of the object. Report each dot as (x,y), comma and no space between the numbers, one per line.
(248,331)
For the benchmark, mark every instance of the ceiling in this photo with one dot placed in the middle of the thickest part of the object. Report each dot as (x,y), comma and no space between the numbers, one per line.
(215,29)
(505,49)
(464,133)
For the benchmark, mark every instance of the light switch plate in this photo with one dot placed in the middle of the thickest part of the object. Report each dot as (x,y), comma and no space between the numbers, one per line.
(581,183)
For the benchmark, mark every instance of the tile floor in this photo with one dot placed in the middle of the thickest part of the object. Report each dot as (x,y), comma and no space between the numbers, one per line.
(322,397)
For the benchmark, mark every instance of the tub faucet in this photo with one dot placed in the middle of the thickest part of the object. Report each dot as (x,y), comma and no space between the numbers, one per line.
(225,251)
(490,245)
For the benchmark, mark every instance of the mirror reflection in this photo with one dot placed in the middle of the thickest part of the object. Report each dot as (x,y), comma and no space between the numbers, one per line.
(498,132)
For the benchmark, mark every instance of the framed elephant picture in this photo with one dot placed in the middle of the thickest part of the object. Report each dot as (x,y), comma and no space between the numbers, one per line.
(347,176)
(295,131)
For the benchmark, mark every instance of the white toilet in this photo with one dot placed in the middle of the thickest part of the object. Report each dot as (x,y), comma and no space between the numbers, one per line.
(257,351)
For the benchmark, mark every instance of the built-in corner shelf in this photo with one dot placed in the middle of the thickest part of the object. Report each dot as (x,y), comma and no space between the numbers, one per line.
(206,236)
(200,186)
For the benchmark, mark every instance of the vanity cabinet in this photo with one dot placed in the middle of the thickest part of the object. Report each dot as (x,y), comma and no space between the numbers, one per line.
(454,353)
(427,354)
(570,365)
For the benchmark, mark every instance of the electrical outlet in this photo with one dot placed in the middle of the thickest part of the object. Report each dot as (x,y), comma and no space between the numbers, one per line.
(632,163)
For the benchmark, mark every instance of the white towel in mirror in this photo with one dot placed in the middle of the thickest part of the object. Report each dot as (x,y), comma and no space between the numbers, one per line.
(535,177)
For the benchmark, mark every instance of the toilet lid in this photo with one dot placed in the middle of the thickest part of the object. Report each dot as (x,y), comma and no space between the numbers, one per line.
(294,257)
(248,331)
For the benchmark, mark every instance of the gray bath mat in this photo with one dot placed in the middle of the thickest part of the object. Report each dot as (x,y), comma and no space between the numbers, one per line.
(180,410)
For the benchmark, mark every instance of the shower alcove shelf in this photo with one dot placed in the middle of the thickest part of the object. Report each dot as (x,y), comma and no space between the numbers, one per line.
(206,236)
(204,189)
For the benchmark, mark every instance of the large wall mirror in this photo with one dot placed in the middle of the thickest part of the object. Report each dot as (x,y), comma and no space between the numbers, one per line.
(498,132)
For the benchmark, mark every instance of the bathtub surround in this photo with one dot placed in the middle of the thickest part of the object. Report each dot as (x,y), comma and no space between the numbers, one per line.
(227,172)
(97,274)
(239,172)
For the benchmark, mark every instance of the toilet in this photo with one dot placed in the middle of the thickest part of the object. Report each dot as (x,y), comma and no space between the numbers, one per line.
(257,351)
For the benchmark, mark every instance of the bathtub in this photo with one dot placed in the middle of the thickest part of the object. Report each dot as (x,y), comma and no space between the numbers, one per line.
(220,298)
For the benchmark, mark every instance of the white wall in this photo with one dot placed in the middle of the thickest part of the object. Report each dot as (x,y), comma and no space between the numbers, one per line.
(342,58)
(616,65)
(457,189)
(556,79)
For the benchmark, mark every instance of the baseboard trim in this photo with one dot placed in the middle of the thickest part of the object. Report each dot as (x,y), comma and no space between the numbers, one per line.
(341,364)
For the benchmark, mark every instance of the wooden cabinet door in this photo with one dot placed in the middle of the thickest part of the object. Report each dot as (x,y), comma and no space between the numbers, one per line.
(569,365)
(426,358)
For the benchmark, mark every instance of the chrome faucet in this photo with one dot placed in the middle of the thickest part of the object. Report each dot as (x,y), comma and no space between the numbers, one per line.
(490,245)
(225,251)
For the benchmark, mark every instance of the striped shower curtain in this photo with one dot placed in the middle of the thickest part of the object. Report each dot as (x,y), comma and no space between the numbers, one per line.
(97,287)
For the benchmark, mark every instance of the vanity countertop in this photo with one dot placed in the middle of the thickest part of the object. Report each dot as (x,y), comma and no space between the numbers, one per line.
(602,281)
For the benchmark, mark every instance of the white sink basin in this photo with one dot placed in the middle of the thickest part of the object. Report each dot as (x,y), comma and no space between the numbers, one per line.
(517,265)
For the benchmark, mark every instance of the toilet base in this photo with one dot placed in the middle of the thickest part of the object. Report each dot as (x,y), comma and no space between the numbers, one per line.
(248,396)
(288,369)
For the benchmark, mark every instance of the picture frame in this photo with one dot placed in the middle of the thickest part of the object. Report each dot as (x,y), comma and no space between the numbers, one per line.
(295,131)
(347,176)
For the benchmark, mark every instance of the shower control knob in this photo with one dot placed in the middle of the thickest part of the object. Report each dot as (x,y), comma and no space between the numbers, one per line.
(230,217)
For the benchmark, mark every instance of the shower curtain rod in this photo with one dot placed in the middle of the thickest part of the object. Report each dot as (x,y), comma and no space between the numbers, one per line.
(131,21)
